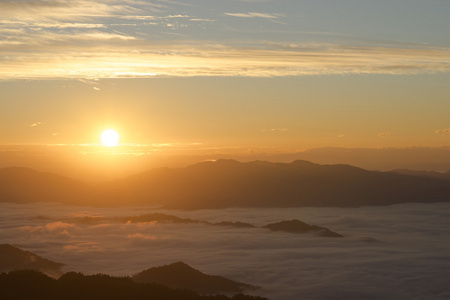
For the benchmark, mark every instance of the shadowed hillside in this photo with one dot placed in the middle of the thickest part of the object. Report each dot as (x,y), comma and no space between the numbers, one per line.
(28,284)
(228,183)
(296,226)
(180,275)
(23,185)
(13,258)
(432,174)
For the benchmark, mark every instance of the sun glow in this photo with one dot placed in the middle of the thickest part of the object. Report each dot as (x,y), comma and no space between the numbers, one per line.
(110,138)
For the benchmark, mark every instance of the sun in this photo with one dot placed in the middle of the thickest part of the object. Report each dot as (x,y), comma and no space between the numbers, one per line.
(109,138)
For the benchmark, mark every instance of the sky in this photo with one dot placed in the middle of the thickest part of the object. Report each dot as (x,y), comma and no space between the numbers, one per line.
(208,75)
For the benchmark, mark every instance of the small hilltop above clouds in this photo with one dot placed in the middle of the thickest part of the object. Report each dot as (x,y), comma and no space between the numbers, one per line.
(229,183)
(13,258)
(182,276)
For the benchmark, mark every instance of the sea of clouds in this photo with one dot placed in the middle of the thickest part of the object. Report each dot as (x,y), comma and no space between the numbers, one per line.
(394,252)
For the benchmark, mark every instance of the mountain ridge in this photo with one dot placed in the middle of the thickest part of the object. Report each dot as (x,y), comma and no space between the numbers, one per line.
(182,276)
(229,183)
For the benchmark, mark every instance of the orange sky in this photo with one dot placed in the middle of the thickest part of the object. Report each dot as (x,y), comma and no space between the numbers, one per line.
(206,77)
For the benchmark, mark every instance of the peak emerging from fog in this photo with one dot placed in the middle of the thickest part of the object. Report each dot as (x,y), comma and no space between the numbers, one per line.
(13,258)
(181,275)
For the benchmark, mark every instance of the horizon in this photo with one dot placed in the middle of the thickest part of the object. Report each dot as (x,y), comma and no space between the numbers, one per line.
(97,164)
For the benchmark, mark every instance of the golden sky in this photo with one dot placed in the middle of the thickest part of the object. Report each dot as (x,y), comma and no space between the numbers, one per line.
(264,74)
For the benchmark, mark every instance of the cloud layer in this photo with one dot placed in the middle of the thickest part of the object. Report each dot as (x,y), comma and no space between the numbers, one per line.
(127,38)
(397,252)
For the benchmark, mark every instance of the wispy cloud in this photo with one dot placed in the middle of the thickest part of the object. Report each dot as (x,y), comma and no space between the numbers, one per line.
(254,15)
(113,55)
(36,124)
(443,131)
(384,134)
(86,39)
(275,130)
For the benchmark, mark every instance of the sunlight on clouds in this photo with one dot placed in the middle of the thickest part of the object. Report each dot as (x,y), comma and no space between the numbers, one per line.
(119,60)
(89,39)
(443,131)
(60,10)
(254,15)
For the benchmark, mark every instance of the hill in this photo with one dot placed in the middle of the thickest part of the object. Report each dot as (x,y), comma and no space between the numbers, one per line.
(296,226)
(24,185)
(180,275)
(432,174)
(13,258)
(228,183)
(29,284)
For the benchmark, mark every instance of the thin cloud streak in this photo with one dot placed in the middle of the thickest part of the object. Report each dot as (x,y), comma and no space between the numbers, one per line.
(104,55)
(254,15)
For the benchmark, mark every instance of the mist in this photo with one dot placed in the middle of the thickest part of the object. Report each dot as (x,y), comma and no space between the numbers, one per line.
(392,252)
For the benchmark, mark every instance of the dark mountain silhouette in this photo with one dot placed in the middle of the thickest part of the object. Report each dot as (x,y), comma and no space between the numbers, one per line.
(13,258)
(29,284)
(296,226)
(234,224)
(180,275)
(228,183)
(23,185)
(432,174)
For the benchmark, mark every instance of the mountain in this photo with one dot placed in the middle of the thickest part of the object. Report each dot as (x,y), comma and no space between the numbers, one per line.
(30,284)
(180,275)
(228,183)
(296,226)
(13,258)
(24,185)
(432,174)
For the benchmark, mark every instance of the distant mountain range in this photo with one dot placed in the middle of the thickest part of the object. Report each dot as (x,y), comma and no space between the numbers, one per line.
(228,183)
(24,185)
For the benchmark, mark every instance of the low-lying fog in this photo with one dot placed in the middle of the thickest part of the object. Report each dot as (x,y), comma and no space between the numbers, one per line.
(395,252)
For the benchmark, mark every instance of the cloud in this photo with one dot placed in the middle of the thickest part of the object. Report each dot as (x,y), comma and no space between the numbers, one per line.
(394,252)
(36,124)
(58,228)
(70,10)
(384,134)
(112,55)
(443,131)
(83,247)
(254,15)
(273,130)
(140,39)
(341,136)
